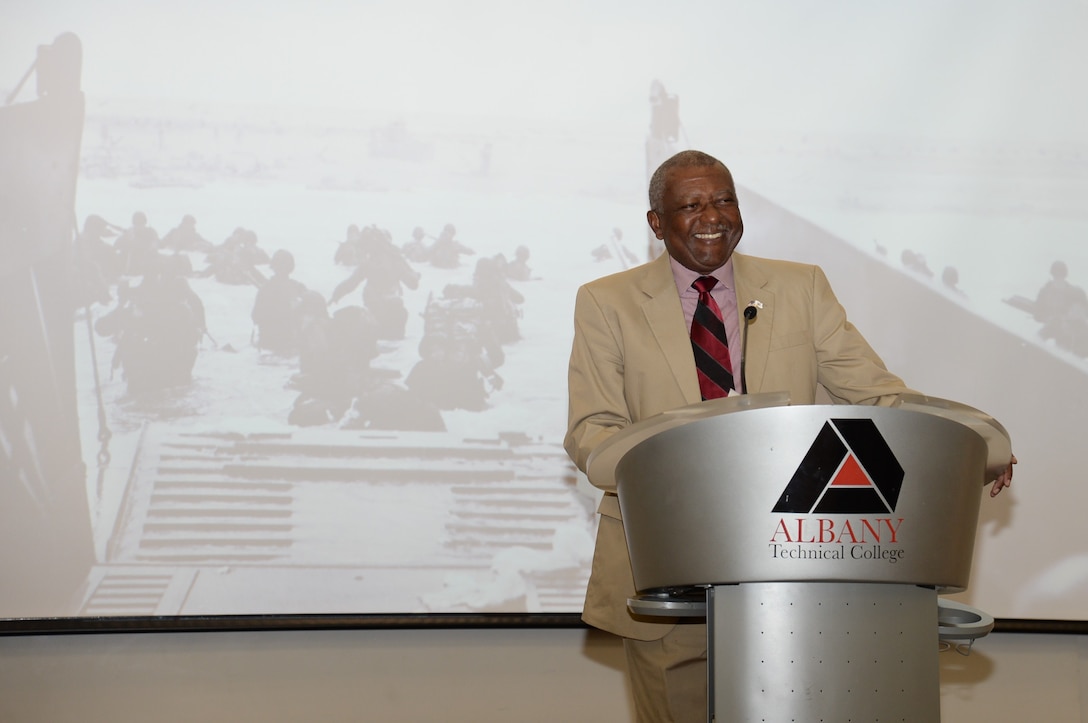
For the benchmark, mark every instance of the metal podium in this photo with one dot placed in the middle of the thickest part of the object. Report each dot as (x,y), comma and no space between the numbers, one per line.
(815,540)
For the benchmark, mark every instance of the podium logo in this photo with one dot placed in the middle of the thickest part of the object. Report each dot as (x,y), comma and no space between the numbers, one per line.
(849,469)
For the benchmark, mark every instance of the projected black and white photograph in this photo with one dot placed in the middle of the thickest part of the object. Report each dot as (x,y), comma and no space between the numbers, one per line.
(286,290)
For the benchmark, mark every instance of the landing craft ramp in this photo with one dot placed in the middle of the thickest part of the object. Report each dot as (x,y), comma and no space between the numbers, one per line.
(346,522)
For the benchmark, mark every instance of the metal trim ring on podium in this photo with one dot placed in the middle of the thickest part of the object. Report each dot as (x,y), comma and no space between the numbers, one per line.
(815,539)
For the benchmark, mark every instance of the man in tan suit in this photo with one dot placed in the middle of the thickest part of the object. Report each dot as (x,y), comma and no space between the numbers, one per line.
(632,358)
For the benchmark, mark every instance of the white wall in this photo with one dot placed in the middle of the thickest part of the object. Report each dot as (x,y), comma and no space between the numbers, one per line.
(474,676)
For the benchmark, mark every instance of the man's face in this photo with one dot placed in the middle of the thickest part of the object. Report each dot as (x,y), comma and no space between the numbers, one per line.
(700,220)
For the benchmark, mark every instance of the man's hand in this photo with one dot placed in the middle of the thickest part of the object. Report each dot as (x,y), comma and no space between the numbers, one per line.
(1004,479)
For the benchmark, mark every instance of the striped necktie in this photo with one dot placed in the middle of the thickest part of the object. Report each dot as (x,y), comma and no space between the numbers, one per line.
(709,342)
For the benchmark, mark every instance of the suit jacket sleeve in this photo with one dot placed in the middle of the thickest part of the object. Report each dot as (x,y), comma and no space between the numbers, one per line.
(848,367)
(597,405)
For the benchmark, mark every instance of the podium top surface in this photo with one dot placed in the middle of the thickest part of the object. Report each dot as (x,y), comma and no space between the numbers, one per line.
(998,443)
(601,465)
(602,461)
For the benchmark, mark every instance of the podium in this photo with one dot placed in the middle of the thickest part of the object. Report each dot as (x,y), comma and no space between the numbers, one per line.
(815,539)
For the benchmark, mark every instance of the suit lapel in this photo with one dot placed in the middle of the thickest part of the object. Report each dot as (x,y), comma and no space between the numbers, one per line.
(661,309)
(752,286)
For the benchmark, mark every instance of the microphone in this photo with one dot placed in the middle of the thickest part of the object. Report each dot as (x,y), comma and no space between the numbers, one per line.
(750,312)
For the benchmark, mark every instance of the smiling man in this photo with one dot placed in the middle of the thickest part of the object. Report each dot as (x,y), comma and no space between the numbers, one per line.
(694,210)
(661,336)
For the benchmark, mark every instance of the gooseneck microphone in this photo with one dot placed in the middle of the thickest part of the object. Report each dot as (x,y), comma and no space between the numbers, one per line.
(750,312)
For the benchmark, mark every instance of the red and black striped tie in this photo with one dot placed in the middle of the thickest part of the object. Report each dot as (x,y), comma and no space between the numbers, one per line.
(709,342)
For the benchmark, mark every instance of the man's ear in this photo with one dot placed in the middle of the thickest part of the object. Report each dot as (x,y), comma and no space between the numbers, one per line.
(655,223)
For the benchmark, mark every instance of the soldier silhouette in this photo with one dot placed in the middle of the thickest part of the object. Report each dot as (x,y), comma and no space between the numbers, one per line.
(137,246)
(384,270)
(277,310)
(158,325)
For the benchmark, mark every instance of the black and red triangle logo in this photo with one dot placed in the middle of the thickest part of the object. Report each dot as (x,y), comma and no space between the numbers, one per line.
(849,469)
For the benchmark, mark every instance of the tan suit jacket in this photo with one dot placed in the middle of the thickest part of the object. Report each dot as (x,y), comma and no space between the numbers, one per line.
(632,359)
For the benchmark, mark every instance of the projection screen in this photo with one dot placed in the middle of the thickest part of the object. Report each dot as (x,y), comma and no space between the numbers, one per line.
(212,407)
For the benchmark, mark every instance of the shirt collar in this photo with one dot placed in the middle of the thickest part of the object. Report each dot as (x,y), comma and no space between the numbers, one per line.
(685,277)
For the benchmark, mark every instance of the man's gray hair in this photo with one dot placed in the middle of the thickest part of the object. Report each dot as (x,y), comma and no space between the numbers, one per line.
(683,159)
